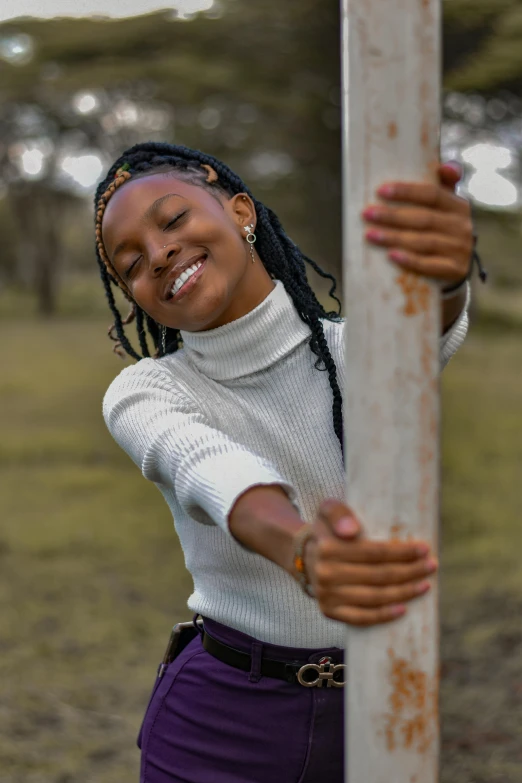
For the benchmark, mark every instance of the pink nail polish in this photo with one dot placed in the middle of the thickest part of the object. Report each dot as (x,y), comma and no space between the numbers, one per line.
(455,166)
(397,610)
(398,256)
(387,191)
(371,213)
(346,526)
(423,588)
(375,236)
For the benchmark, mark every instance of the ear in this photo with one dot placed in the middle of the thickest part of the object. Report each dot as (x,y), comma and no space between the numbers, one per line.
(242,210)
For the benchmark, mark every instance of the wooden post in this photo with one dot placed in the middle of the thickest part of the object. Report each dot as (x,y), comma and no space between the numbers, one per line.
(391,87)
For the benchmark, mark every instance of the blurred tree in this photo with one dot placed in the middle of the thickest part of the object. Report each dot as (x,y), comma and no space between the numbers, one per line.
(256,84)
(483,45)
(258,87)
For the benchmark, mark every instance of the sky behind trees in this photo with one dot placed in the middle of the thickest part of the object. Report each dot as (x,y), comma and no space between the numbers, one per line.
(11,9)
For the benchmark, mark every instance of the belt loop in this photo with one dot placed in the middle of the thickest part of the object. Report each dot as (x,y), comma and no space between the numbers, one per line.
(255,668)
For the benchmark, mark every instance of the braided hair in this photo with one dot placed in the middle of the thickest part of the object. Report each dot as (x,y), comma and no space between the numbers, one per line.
(280,256)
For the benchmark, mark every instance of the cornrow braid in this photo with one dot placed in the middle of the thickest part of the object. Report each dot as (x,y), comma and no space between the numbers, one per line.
(281,257)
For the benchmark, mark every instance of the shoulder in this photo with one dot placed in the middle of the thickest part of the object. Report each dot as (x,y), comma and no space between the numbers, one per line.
(333,330)
(148,379)
(136,376)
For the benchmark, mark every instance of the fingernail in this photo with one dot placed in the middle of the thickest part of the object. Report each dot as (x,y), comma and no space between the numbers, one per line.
(387,191)
(422,549)
(371,213)
(397,610)
(398,256)
(431,566)
(346,526)
(375,236)
(455,166)
(423,587)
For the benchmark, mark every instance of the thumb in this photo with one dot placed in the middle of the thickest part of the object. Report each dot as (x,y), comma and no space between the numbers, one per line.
(339,518)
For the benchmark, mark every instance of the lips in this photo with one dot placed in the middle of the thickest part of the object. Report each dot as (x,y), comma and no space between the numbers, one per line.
(179,269)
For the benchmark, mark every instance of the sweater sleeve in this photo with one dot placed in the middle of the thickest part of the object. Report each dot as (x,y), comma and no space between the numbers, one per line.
(169,438)
(451,341)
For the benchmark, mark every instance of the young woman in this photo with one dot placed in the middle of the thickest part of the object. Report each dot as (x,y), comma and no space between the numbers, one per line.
(237,418)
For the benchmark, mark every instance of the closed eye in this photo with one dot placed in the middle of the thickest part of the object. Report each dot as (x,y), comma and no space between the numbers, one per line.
(175,219)
(129,269)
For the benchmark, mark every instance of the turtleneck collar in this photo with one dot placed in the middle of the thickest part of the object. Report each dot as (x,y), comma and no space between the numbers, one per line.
(251,343)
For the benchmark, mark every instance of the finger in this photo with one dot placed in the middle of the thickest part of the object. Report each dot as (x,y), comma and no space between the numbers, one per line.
(419,219)
(367,551)
(438,268)
(339,518)
(425,194)
(374,597)
(423,242)
(450,174)
(365,617)
(337,574)
(452,165)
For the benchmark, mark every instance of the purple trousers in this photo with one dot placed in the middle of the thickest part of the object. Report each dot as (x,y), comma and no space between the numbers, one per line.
(208,722)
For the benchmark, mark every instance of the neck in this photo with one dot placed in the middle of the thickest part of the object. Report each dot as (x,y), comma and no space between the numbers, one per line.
(252,289)
(250,343)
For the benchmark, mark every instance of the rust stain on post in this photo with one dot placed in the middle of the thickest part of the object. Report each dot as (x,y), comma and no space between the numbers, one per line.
(413,707)
(392,130)
(416,293)
(397,530)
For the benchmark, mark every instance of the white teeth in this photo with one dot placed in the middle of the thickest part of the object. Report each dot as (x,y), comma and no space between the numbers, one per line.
(185,276)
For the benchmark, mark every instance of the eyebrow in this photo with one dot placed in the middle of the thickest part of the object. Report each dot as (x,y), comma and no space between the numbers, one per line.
(150,212)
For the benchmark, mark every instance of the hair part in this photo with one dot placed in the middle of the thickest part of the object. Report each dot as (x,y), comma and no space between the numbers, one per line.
(281,257)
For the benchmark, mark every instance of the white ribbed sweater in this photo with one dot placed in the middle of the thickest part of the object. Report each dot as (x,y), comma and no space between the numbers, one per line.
(239,406)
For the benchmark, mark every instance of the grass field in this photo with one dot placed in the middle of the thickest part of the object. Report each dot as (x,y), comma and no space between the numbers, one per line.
(91,576)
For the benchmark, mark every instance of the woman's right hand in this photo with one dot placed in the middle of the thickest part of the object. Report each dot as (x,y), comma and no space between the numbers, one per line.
(359,581)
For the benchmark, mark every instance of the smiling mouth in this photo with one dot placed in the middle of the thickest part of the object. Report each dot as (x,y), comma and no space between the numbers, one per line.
(175,286)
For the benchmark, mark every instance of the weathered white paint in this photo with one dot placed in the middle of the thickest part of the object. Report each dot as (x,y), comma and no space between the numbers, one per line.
(391,84)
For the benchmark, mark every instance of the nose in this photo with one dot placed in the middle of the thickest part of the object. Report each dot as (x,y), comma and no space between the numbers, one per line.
(162,257)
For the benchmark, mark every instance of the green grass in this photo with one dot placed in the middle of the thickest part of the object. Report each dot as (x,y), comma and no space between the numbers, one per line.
(481,695)
(91,575)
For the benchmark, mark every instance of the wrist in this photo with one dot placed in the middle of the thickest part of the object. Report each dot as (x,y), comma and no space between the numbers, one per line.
(454,289)
(450,292)
(299,569)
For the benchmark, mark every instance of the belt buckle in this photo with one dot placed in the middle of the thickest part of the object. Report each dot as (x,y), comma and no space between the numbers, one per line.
(325,670)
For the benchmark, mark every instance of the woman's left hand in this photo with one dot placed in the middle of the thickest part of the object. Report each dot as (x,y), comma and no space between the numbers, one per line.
(430,233)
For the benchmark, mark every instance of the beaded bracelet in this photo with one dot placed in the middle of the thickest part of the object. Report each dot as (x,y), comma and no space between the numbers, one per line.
(301,539)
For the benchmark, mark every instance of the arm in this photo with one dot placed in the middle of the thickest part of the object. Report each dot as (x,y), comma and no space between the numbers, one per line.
(452,309)
(170,439)
(264,521)
(454,333)
(355,581)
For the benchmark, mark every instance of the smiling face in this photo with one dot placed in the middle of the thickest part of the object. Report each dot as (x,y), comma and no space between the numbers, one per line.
(158,226)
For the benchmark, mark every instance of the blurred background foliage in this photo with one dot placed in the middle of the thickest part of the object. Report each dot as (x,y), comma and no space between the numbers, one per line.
(91,573)
(256,85)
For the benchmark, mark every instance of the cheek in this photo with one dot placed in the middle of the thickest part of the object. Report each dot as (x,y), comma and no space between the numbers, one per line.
(218,234)
(145,295)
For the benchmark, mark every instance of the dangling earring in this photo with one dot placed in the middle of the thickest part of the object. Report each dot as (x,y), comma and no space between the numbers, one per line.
(163,340)
(250,238)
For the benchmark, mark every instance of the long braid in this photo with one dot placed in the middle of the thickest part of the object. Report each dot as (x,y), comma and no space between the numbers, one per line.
(280,256)
(142,337)
(121,340)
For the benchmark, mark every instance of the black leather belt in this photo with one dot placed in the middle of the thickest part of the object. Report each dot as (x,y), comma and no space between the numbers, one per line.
(310,675)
